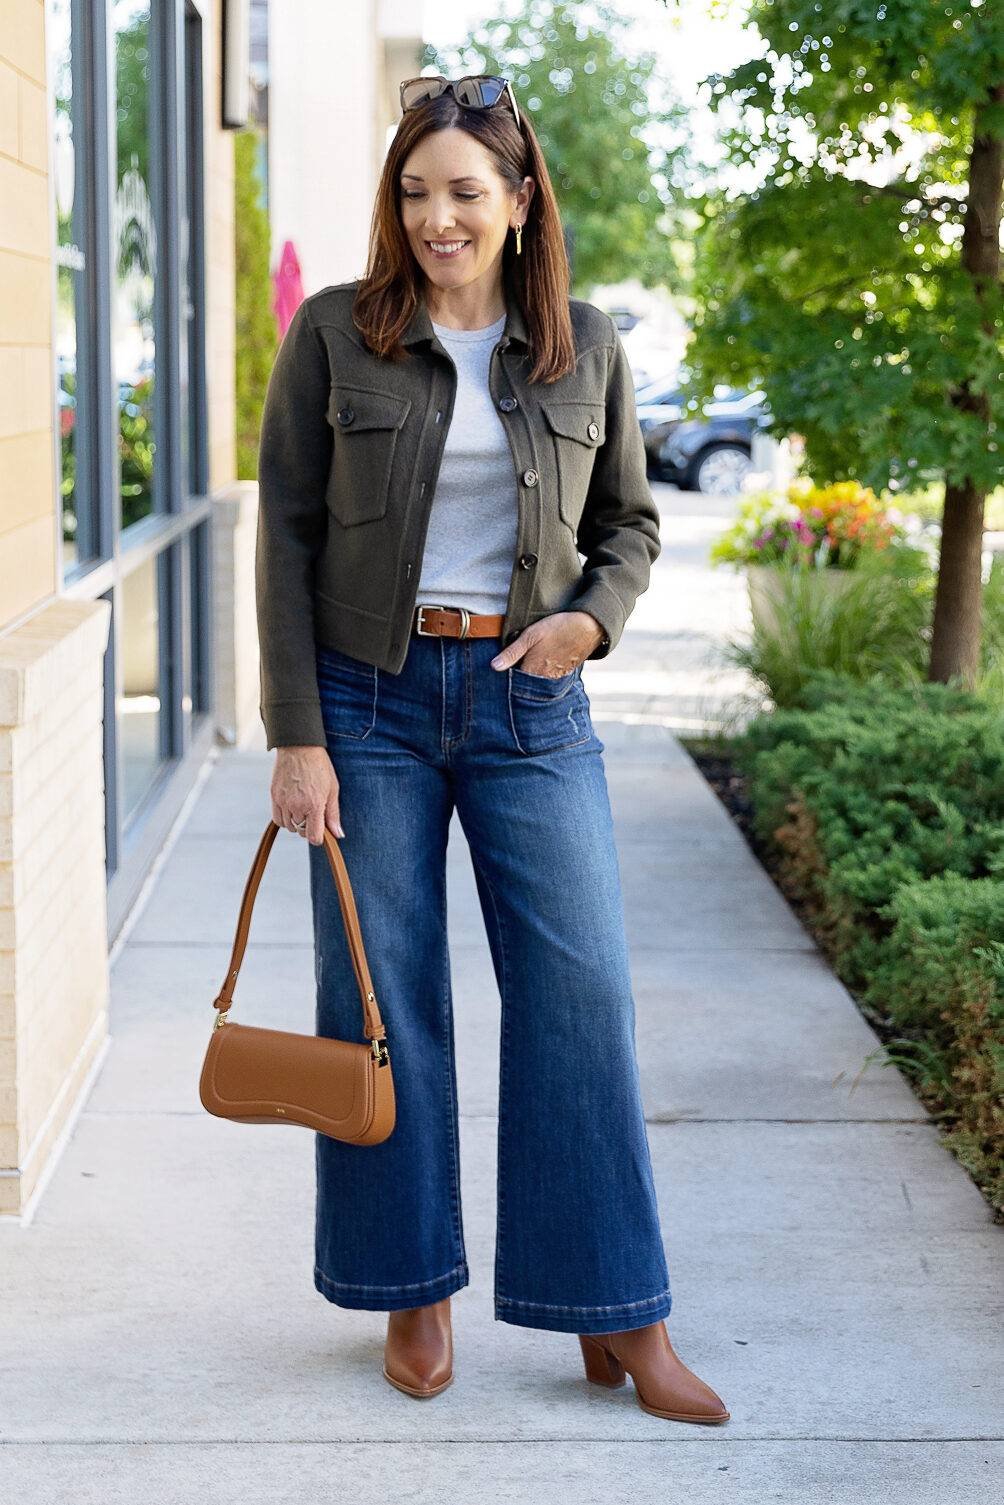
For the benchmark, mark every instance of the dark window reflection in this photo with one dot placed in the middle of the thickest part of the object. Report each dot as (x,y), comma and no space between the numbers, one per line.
(195,692)
(136,258)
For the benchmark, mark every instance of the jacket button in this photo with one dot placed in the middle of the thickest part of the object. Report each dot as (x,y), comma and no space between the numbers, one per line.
(527,561)
(507,404)
(345,415)
(529,478)
(592,431)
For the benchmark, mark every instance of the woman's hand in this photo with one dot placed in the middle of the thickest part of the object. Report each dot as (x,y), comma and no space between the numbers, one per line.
(305,785)
(554,645)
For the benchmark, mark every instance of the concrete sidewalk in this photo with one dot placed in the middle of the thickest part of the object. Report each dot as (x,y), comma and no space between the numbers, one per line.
(832,1267)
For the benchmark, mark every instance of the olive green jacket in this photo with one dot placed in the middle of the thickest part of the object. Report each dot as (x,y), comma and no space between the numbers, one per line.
(351,446)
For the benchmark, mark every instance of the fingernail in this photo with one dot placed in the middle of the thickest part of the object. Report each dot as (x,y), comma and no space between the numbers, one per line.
(339,831)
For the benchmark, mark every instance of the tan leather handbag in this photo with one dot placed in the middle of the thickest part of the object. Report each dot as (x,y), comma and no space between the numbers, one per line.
(342,1088)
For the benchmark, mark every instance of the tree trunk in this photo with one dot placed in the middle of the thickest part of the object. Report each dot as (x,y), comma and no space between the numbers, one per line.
(955,641)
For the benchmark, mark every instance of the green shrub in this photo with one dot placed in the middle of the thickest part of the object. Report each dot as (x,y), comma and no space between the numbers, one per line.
(885,809)
(869,787)
(940,979)
(876,627)
(875,624)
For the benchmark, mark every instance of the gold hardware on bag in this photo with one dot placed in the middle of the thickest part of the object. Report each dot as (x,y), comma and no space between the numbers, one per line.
(221,1018)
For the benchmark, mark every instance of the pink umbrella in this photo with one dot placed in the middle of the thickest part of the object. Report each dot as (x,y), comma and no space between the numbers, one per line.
(287,284)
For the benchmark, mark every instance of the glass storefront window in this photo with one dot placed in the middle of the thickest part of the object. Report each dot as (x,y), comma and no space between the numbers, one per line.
(130,399)
(135,240)
(73,385)
(140,703)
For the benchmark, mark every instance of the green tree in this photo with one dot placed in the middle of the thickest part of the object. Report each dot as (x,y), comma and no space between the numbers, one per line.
(132,97)
(860,282)
(256,331)
(605,125)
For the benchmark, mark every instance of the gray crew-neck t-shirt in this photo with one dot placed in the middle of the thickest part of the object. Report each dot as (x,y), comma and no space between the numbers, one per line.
(471,539)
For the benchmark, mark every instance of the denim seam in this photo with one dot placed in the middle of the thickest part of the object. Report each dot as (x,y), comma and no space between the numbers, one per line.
(469,704)
(414,1285)
(442,697)
(619,1306)
(451,1097)
(503,1078)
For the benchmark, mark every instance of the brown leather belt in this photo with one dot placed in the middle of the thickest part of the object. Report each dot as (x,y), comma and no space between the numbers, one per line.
(456,622)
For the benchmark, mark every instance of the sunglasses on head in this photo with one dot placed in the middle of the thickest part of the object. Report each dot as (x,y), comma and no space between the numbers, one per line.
(476,91)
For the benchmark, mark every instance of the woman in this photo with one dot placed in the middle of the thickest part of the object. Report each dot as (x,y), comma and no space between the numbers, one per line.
(441,439)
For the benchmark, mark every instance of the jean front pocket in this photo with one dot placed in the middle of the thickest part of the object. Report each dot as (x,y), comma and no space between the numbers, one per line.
(348,690)
(547,714)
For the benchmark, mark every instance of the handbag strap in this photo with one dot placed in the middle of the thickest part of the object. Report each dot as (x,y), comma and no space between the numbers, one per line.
(373,1027)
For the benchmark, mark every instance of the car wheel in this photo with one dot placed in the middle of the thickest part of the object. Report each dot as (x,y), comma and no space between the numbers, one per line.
(720,470)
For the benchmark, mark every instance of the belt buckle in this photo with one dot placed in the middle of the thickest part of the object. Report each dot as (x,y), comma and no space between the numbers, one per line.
(465,620)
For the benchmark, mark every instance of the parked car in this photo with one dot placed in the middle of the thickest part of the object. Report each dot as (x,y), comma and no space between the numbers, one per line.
(624,318)
(709,451)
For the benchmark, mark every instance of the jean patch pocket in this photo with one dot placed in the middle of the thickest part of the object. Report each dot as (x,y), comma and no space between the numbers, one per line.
(348,691)
(547,714)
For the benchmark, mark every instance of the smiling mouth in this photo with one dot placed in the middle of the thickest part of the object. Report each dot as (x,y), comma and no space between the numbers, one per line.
(455,248)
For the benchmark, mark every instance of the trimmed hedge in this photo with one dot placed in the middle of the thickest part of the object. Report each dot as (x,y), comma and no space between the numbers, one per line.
(885,810)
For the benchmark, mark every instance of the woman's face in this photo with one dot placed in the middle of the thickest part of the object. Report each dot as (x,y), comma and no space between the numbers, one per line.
(451,192)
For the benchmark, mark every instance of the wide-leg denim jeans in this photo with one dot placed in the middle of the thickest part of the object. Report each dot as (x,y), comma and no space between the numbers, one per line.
(577,1241)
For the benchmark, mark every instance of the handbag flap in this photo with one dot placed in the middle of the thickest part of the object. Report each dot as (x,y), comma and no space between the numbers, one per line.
(268,1075)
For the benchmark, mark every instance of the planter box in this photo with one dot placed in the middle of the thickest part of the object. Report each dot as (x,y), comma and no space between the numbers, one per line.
(771,585)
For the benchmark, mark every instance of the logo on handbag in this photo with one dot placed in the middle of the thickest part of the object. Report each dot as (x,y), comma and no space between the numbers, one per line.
(342,1088)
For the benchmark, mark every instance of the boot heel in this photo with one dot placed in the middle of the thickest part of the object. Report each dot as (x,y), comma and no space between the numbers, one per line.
(602,1367)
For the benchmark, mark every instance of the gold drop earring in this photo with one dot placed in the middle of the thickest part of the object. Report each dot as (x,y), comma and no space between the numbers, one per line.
(519,239)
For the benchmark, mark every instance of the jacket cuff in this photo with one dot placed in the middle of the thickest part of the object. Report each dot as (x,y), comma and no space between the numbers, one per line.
(293,723)
(601,603)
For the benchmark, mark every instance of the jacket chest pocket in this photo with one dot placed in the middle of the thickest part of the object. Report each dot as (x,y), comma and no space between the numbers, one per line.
(578,429)
(366,425)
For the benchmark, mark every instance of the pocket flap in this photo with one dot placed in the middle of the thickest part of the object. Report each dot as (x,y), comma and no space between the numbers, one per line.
(354,408)
(584,421)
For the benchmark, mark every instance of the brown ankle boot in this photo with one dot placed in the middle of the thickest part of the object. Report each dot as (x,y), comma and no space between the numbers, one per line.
(418,1352)
(664,1386)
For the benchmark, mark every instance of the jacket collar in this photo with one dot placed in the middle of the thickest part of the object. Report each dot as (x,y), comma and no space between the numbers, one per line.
(420,324)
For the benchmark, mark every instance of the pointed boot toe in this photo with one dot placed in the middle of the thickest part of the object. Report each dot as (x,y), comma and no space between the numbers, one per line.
(418,1351)
(664,1386)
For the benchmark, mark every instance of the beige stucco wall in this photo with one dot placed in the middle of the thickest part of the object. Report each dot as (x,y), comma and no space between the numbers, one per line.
(27,501)
(327,142)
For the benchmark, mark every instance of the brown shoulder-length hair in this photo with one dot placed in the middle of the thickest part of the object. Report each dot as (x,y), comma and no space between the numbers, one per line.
(393,283)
